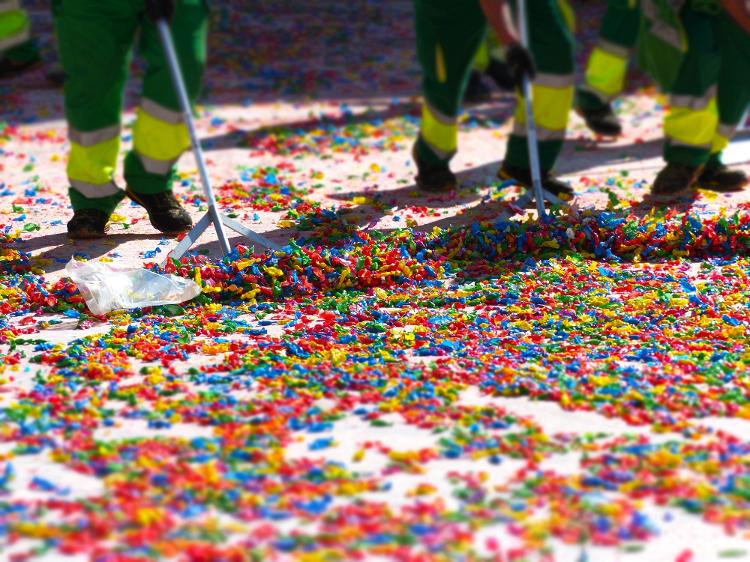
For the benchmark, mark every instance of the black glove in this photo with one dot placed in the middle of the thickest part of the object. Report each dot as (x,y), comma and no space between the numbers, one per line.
(160,10)
(520,63)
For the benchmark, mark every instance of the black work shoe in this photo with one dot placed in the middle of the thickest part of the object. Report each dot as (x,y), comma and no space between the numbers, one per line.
(602,121)
(549,182)
(476,91)
(436,178)
(164,211)
(87,224)
(10,68)
(498,71)
(675,178)
(722,179)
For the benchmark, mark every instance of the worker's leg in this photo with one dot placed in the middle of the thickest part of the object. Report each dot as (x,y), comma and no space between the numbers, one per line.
(733,99)
(551,43)
(692,118)
(608,62)
(17,49)
(95,40)
(160,134)
(448,35)
(734,81)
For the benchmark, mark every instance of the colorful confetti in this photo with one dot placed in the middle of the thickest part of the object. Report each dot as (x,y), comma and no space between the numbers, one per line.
(411,378)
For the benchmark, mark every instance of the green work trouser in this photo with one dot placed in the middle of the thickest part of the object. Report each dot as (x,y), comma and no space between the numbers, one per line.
(449,32)
(16,43)
(712,90)
(608,63)
(552,45)
(96,38)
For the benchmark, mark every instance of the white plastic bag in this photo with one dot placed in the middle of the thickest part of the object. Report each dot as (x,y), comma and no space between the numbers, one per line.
(106,287)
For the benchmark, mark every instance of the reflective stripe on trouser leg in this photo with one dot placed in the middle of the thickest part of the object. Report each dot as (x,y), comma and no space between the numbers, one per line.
(91,166)
(93,157)
(722,137)
(439,132)
(690,128)
(606,70)
(15,27)
(160,136)
(553,98)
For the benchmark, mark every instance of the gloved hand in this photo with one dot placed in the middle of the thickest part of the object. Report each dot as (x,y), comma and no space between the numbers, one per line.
(160,10)
(520,63)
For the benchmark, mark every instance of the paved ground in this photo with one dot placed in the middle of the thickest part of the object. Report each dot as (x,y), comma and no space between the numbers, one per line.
(419,381)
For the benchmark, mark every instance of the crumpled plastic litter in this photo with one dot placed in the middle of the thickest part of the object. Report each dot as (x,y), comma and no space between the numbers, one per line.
(106,287)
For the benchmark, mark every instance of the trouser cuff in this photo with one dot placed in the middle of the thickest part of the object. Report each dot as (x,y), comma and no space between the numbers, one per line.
(106,204)
(141,181)
(687,155)
(427,156)
(517,153)
(588,101)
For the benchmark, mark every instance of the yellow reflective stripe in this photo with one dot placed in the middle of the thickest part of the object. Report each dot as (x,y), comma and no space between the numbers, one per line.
(482,58)
(568,13)
(719,143)
(442,74)
(93,164)
(551,107)
(93,190)
(692,127)
(723,136)
(439,131)
(605,74)
(14,28)
(158,140)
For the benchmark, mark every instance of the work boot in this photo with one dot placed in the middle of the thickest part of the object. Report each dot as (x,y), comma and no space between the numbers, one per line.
(434,178)
(674,179)
(601,121)
(87,224)
(722,179)
(476,91)
(498,71)
(164,211)
(549,182)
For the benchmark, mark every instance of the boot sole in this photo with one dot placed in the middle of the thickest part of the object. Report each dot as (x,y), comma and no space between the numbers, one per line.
(168,232)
